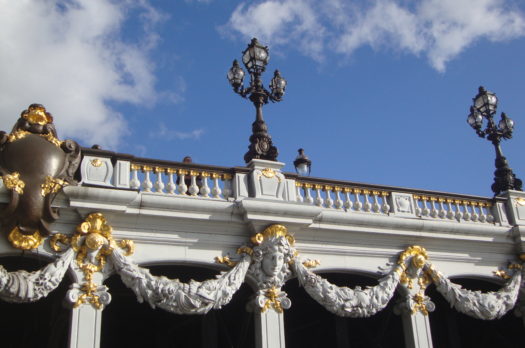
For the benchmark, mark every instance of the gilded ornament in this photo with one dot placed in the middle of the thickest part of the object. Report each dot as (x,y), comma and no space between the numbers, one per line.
(25,241)
(227,176)
(311,263)
(52,185)
(96,162)
(268,172)
(272,296)
(225,261)
(93,242)
(13,182)
(520,201)
(37,115)
(135,166)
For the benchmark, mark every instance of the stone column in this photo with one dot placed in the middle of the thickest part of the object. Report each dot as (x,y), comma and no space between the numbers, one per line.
(416,328)
(269,329)
(85,327)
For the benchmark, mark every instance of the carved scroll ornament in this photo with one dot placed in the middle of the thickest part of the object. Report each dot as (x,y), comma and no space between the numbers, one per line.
(34,166)
(22,286)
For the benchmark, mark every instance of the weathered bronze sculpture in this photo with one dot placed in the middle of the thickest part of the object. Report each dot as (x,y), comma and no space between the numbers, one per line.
(34,165)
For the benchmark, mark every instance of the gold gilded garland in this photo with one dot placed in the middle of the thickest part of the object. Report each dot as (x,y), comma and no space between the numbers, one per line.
(418,258)
(92,238)
(272,296)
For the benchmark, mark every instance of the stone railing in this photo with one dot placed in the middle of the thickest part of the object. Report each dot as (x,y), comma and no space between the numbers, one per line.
(386,200)
(105,168)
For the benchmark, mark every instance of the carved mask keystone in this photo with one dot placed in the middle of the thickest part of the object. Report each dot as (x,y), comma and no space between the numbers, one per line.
(34,165)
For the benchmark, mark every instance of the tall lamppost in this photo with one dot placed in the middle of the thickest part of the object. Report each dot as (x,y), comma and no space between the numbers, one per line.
(255,59)
(484,107)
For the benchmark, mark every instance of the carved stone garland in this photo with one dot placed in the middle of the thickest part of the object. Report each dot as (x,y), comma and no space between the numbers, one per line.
(22,286)
(177,297)
(92,242)
(34,183)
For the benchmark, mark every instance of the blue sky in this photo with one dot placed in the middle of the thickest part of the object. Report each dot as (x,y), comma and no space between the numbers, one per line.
(378,91)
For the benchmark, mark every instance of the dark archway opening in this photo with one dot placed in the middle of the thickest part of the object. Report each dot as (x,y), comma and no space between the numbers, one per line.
(308,324)
(451,329)
(127,323)
(42,324)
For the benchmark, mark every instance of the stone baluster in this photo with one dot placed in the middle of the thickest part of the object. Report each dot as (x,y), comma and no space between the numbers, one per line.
(417,202)
(171,187)
(318,198)
(227,191)
(482,212)
(385,207)
(216,190)
(357,204)
(367,206)
(425,211)
(490,217)
(194,188)
(348,201)
(442,213)
(466,213)
(135,182)
(308,193)
(205,189)
(475,215)
(329,202)
(183,188)
(450,212)
(298,189)
(433,212)
(375,206)
(147,185)
(459,213)
(159,184)
(338,203)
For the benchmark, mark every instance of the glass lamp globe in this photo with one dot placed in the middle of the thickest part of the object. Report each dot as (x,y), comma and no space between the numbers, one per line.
(255,57)
(486,102)
(506,124)
(235,75)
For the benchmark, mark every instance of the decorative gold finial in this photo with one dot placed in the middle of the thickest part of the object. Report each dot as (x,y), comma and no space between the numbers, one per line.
(37,114)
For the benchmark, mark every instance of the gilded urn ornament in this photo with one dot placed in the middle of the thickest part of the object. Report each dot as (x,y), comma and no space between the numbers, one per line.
(34,165)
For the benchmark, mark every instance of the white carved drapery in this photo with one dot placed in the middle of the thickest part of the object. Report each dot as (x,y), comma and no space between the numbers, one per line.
(346,302)
(488,305)
(23,286)
(177,297)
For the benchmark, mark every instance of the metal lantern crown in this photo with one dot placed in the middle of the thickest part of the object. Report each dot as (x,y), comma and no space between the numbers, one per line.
(303,165)
(255,57)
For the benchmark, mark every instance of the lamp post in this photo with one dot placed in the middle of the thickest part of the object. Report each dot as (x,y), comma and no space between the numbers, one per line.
(255,59)
(303,165)
(484,106)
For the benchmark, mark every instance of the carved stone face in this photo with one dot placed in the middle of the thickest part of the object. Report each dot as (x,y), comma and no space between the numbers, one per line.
(272,262)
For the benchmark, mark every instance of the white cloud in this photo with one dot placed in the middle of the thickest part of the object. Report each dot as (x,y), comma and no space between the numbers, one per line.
(438,29)
(69,55)
(167,134)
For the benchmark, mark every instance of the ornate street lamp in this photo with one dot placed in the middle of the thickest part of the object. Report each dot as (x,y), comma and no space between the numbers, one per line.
(484,106)
(303,165)
(255,58)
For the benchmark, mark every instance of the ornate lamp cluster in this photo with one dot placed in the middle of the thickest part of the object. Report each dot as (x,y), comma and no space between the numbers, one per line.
(484,106)
(255,59)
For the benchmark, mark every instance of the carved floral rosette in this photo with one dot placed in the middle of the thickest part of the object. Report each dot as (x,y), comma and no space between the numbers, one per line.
(34,183)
